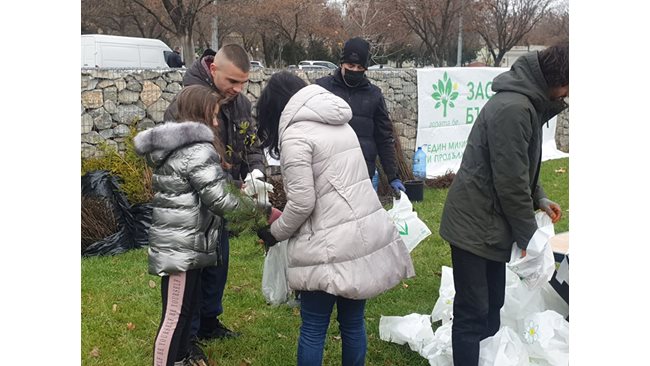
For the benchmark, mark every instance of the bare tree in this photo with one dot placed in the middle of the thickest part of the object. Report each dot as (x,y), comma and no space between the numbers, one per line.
(291,22)
(502,24)
(178,17)
(243,18)
(280,30)
(551,29)
(119,17)
(378,22)
(432,21)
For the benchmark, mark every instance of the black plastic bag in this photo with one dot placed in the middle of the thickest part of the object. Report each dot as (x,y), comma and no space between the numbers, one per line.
(133,220)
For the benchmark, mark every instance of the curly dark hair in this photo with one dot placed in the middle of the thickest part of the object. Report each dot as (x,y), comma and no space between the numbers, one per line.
(554,62)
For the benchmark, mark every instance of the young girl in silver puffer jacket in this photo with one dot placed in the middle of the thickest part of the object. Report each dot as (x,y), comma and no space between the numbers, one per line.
(191,195)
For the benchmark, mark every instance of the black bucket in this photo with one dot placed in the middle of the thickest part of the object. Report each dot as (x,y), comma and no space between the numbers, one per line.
(414,190)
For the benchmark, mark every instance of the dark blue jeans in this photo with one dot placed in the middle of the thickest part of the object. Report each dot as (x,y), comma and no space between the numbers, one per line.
(480,292)
(213,282)
(315,311)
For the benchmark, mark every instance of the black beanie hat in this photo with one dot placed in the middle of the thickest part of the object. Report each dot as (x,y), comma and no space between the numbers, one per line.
(356,51)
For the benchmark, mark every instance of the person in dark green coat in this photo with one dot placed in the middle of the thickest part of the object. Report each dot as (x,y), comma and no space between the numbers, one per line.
(492,201)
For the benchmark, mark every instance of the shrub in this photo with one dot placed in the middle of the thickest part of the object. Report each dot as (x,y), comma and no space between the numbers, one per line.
(129,167)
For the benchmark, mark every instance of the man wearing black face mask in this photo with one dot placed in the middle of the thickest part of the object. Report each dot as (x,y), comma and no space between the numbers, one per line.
(370,118)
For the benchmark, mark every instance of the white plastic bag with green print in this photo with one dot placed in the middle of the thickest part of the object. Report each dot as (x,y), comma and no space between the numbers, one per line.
(410,227)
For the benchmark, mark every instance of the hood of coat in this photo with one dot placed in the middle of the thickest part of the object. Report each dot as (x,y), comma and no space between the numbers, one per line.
(158,142)
(199,73)
(525,77)
(314,103)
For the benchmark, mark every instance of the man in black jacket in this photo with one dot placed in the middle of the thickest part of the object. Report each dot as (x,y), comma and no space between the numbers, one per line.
(227,73)
(175,59)
(492,201)
(370,118)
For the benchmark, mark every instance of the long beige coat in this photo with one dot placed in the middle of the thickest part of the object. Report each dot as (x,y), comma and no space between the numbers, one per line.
(341,240)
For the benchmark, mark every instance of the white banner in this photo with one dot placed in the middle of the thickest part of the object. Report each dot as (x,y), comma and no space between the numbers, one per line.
(449,101)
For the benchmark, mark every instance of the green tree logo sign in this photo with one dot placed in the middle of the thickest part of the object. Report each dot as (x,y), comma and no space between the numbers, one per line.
(443,93)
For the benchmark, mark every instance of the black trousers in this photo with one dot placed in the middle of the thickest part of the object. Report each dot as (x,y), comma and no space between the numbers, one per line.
(480,289)
(180,295)
(213,283)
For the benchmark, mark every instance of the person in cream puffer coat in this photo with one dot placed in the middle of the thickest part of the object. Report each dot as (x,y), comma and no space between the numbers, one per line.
(343,247)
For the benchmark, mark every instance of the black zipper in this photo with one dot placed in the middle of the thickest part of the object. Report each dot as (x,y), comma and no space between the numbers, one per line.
(207,234)
(222,230)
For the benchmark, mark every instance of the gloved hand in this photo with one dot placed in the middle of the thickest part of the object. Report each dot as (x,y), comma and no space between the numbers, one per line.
(274,215)
(266,236)
(255,187)
(551,208)
(397,186)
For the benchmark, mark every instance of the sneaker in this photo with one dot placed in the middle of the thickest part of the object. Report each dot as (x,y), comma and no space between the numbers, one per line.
(183,362)
(196,356)
(219,331)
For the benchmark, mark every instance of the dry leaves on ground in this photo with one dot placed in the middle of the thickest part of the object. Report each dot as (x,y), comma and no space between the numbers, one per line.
(94,352)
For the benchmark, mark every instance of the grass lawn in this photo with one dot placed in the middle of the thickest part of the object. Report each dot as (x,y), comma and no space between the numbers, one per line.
(120,302)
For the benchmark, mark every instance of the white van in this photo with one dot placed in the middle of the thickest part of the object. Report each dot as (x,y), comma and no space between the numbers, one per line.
(100,50)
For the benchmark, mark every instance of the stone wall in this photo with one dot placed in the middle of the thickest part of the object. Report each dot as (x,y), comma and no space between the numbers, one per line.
(114,100)
(562,130)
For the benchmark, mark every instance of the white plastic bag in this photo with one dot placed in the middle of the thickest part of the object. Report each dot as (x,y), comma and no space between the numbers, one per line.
(414,329)
(563,271)
(438,351)
(505,348)
(546,337)
(519,300)
(410,227)
(538,265)
(275,285)
(444,307)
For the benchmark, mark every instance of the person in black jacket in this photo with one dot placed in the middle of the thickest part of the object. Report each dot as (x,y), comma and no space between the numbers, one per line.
(175,59)
(227,73)
(492,201)
(370,119)
(208,52)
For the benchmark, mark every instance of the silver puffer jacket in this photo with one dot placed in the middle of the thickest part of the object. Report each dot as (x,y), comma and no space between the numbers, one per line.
(190,196)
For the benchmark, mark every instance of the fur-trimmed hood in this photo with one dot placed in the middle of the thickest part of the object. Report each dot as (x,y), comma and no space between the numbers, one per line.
(162,139)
